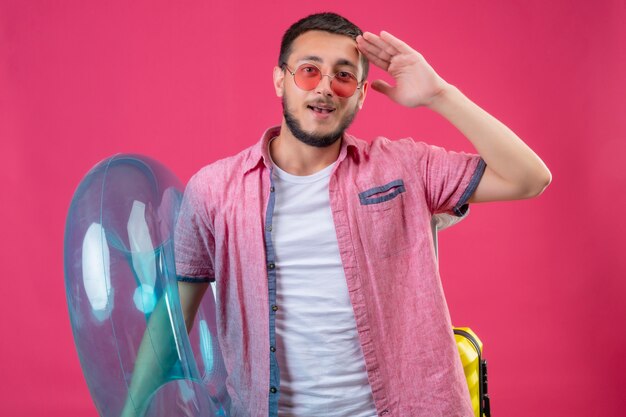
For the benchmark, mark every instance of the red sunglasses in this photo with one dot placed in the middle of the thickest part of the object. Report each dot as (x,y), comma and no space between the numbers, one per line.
(308,76)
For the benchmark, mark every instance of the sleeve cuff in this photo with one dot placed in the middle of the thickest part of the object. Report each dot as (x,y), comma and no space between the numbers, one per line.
(462,206)
(196,280)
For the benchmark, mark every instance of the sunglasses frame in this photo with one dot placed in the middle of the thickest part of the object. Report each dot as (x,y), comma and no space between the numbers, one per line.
(359,84)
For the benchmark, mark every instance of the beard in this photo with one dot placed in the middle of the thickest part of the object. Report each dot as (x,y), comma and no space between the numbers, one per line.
(310,138)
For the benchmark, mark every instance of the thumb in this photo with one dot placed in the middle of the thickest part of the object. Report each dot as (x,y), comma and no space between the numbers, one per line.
(382,87)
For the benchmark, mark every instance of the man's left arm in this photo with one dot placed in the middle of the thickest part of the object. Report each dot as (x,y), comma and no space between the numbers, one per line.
(513,170)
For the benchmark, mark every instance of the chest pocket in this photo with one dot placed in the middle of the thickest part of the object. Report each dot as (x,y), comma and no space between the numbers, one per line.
(383,221)
(382,193)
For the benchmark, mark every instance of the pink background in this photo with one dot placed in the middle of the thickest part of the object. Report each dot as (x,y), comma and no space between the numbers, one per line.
(541,281)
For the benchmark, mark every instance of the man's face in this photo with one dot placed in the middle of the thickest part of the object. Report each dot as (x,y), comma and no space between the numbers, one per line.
(319,117)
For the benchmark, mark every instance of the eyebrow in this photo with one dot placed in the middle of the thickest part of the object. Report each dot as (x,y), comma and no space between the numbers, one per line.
(340,62)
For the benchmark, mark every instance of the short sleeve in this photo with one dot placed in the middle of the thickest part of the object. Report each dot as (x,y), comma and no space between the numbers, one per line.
(450,178)
(194,242)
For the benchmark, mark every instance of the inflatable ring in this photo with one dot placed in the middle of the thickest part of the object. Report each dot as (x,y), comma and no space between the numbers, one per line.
(122,295)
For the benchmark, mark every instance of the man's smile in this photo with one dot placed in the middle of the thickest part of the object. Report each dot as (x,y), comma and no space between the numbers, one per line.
(321,110)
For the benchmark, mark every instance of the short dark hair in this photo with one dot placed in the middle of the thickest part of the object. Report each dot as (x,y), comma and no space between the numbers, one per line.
(327,22)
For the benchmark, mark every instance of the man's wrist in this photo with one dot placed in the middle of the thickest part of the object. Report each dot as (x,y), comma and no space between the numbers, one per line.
(444,99)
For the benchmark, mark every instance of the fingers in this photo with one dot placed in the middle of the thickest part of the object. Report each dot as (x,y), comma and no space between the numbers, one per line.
(395,42)
(374,54)
(380,44)
(382,87)
(380,50)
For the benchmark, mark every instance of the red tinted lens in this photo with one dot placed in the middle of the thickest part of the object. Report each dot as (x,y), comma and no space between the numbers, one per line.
(344,84)
(307,77)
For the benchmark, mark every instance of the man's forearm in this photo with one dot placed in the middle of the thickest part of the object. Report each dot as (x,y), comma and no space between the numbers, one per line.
(155,357)
(157,352)
(501,149)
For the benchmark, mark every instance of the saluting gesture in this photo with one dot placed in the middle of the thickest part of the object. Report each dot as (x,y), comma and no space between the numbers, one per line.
(513,170)
(416,82)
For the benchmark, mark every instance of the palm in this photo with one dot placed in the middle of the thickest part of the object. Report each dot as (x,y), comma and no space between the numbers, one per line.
(416,83)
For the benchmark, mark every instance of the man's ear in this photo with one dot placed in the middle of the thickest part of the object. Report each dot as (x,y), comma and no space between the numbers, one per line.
(362,93)
(279,81)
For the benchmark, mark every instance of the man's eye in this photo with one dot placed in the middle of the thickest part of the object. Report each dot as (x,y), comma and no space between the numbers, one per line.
(344,76)
(309,70)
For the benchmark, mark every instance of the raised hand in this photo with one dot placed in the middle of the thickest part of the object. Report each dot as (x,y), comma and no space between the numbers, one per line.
(416,82)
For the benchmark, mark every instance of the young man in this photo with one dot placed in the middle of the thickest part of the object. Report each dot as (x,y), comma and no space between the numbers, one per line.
(329,301)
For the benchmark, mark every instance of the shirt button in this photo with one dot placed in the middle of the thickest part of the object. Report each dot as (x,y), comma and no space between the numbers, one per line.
(271,265)
(272,348)
(273,390)
(269,228)
(274,307)
(271,189)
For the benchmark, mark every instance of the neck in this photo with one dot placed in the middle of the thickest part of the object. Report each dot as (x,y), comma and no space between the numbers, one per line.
(297,158)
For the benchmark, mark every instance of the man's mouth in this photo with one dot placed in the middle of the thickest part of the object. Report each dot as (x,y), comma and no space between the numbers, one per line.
(321,109)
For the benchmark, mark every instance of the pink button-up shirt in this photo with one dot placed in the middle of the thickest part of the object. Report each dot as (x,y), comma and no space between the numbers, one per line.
(382,197)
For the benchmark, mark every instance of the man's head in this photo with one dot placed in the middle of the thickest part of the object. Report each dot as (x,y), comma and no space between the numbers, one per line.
(326,22)
(323,48)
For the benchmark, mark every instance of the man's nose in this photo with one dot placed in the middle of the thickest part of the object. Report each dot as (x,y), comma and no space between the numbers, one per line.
(323,87)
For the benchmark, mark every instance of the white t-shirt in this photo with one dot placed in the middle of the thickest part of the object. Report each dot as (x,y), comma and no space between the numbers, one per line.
(322,370)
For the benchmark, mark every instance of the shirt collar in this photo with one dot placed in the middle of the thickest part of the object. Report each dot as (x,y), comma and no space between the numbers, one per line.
(260,152)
